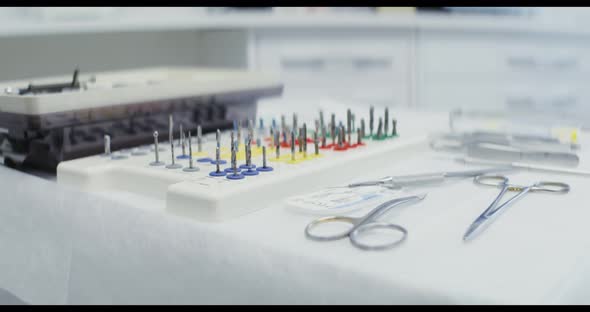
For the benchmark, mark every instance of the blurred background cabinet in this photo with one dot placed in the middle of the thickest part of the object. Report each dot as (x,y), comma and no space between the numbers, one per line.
(426,61)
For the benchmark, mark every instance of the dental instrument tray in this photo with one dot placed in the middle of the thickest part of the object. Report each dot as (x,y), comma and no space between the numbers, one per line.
(50,120)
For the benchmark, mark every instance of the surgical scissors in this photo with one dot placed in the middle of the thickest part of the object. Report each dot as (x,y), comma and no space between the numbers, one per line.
(364,224)
(503,183)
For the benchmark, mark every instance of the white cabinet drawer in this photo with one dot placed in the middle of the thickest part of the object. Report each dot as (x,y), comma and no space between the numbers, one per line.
(516,96)
(365,64)
(498,54)
(393,94)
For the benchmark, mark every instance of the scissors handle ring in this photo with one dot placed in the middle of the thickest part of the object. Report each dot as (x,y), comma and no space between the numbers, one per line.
(491,180)
(318,222)
(552,187)
(354,235)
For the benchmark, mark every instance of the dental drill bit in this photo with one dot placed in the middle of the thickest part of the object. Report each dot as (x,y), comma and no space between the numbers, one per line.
(300,141)
(239,134)
(321,118)
(324,137)
(333,128)
(371,120)
(191,167)
(341,137)
(218,138)
(199,140)
(251,171)
(183,144)
(353,119)
(349,125)
(380,128)
(363,127)
(316,149)
(218,172)
(234,161)
(235,175)
(386,120)
(217,158)
(295,123)
(277,146)
(248,154)
(170,128)
(156,161)
(232,140)
(359,137)
(173,164)
(292,145)
(304,139)
(394,127)
(265,167)
(181,138)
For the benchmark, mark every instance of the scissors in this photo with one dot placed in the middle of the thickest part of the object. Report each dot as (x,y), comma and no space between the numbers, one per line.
(503,183)
(364,224)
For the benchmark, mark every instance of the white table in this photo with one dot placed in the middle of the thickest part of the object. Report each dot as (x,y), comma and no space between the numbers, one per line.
(60,246)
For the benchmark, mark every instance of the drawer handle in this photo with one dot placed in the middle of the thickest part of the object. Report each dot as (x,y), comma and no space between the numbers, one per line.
(357,64)
(564,102)
(303,63)
(520,102)
(521,61)
(530,62)
(565,63)
(365,64)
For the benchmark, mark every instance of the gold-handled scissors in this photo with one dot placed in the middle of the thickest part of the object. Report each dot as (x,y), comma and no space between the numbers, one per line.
(359,227)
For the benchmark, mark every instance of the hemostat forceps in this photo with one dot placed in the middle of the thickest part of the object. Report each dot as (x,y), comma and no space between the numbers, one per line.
(502,182)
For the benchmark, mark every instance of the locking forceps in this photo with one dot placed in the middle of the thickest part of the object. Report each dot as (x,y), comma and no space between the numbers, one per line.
(503,183)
